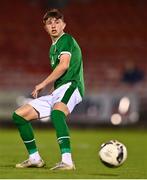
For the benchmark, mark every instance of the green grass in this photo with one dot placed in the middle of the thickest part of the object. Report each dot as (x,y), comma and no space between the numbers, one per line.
(85,144)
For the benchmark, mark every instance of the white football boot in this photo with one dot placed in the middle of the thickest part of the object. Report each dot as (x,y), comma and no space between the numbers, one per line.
(63,166)
(28,163)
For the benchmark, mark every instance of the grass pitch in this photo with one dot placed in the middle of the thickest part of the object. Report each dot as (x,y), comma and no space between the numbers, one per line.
(85,145)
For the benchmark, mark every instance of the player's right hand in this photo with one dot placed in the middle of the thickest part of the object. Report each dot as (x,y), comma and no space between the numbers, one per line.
(37,89)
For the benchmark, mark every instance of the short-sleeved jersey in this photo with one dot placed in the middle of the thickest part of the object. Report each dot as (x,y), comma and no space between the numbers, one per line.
(67,44)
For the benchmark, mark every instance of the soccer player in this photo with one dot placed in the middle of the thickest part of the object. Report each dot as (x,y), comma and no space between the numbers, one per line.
(68,90)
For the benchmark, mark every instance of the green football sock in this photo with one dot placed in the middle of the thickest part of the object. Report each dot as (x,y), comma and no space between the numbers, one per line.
(26,132)
(58,119)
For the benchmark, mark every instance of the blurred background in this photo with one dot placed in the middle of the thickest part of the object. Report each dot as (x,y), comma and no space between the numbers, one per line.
(113,38)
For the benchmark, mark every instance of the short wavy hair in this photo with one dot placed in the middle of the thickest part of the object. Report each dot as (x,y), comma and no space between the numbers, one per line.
(53,13)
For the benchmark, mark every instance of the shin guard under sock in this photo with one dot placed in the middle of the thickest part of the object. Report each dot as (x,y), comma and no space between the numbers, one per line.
(26,132)
(58,119)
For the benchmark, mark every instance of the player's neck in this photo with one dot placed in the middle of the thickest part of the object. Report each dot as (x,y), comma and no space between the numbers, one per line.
(55,39)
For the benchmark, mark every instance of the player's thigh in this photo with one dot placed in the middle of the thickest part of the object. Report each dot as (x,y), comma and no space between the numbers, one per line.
(61,107)
(67,102)
(27,112)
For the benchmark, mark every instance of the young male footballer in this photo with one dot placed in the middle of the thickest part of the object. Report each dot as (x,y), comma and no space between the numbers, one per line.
(67,77)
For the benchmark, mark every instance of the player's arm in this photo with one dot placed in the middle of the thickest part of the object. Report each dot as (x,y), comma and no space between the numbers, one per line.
(56,73)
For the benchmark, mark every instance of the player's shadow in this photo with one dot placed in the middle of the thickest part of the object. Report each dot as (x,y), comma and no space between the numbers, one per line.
(106,174)
(12,166)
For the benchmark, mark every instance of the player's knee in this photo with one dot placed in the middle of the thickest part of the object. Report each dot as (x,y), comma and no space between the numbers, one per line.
(18,119)
(62,107)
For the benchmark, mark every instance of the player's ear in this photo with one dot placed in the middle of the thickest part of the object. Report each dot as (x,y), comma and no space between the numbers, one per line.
(64,25)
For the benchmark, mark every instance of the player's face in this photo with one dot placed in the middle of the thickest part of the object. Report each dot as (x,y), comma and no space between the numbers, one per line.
(54,27)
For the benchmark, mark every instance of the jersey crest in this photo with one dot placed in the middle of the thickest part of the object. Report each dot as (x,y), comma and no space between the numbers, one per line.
(52,61)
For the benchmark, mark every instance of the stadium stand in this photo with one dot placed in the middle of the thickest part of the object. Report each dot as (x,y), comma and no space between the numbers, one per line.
(110,33)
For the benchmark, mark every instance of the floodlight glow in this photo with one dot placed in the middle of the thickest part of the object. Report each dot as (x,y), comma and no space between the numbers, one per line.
(116,119)
(134,117)
(22,100)
(124,105)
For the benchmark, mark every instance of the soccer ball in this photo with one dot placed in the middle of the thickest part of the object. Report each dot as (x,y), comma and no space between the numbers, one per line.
(113,153)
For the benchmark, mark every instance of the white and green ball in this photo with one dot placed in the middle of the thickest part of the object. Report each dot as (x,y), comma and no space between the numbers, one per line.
(113,153)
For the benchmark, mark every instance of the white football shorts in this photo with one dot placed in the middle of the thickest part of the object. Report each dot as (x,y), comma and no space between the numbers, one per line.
(66,93)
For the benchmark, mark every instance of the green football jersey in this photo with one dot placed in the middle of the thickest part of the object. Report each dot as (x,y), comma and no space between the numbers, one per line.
(67,44)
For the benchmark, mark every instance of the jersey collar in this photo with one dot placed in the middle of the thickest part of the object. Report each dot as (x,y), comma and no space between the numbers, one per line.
(58,38)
